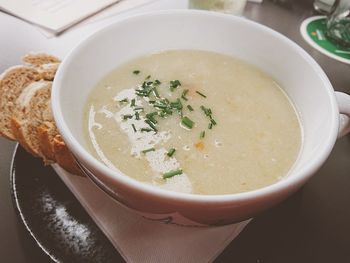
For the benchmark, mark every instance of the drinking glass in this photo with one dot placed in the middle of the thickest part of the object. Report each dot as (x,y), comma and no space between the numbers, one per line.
(234,7)
(338,23)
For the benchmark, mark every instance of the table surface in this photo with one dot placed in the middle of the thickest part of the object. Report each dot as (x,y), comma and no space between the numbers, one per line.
(311,226)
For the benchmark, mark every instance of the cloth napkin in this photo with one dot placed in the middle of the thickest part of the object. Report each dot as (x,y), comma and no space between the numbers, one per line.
(141,240)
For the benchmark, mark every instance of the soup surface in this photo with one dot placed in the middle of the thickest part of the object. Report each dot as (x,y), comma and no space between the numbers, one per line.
(193,121)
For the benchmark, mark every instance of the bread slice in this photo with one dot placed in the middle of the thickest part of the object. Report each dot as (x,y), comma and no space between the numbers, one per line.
(30,108)
(25,110)
(64,157)
(47,132)
(46,64)
(48,71)
(39,59)
(12,83)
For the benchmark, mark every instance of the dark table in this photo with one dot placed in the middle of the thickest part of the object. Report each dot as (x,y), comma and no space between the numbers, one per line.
(311,226)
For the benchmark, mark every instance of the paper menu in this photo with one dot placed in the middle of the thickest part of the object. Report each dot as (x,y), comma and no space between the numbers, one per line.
(55,15)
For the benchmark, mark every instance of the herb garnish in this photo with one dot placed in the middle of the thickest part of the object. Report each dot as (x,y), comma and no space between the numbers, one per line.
(171,152)
(146,130)
(151,125)
(149,150)
(187,122)
(151,115)
(176,105)
(138,109)
(174,84)
(133,127)
(206,111)
(123,100)
(200,93)
(172,173)
(184,93)
(162,108)
(127,116)
(189,107)
(155,92)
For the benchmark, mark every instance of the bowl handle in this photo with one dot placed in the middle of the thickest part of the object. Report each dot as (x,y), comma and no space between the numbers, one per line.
(344,110)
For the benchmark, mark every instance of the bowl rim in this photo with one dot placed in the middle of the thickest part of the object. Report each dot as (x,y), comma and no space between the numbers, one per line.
(288,183)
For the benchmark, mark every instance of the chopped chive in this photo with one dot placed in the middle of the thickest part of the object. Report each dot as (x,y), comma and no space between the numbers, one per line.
(148,77)
(160,106)
(127,116)
(141,93)
(151,101)
(138,108)
(174,84)
(172,173)
(171,152)
(200,93)
(137,116)
(151,125)
(213,121)
(187,122)
(155,92)
(136,72)
(133,127)
(165,113)
(150,116)
(179,104)
(176,105)
(210,126)
(206,111)
(184,93)
(157,82)
(190,108)
(123,100)
(146,130)
(202,135)
(132,103)
(149,150)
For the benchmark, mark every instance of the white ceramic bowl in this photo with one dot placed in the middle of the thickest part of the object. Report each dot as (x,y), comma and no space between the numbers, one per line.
(299,75)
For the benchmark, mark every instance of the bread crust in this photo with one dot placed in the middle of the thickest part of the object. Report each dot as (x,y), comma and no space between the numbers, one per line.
(48,71)
(46,140)
(19,135)
(64,157)
(38,59)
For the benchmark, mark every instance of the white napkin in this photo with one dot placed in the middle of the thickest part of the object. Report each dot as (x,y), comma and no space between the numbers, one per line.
(140,240)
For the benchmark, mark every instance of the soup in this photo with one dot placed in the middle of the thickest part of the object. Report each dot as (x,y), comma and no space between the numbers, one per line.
(193,121)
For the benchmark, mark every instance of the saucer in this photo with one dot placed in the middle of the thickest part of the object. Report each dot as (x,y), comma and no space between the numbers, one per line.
(53,216)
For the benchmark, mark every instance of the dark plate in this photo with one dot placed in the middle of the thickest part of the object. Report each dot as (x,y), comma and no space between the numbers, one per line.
(54,217)
(311,226)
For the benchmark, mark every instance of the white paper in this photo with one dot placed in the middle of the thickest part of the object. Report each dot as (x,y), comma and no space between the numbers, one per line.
(55,15)
(118,8)
(139,240)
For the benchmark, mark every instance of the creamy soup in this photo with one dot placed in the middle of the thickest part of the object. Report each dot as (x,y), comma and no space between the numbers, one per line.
(193,121)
